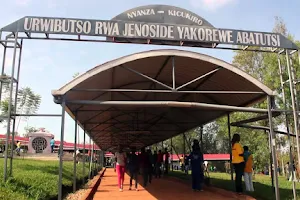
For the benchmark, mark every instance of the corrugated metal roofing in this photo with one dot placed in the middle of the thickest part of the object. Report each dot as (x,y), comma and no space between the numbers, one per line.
(107,124)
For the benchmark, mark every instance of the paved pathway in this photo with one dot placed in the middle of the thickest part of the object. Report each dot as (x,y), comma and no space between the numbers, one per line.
(160,189)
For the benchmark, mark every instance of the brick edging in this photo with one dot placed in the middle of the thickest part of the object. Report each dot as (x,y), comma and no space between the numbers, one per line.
(89,194)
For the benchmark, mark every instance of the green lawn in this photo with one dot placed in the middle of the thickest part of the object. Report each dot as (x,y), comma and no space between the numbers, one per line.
(35,179)
(262,185)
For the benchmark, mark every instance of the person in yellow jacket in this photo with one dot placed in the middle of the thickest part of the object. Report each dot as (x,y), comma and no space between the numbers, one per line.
(18,149)
(238,162)
(248,169)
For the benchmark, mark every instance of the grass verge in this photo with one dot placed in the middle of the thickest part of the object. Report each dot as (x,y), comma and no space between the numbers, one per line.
(37,180)
(262,185)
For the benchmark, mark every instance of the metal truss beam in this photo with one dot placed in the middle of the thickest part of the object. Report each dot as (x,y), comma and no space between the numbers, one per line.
(254,119)
(79,39)
(147,77)
(198,78)
(169,91)
(263,128)
(170,104)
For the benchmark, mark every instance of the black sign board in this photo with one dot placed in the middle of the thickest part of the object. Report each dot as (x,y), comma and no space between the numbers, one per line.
(156,24)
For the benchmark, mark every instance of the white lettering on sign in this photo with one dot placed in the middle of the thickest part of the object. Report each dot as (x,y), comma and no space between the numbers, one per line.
(185,15)
(259,39)
(202,34)
(57,25)
(148,31)
(107,28)
(137,13)
(138,30)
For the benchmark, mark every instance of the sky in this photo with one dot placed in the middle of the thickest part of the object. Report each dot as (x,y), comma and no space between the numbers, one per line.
(48,65)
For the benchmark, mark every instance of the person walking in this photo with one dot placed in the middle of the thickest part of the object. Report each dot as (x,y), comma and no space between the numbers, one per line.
(120,167)
(144,163)
(186,164)
(150,166)
(292,172)
(248,169)
(133,167)
(197,162)
(18,149)
(159,164)
(167,155)
(52,144)
(154,162)
(89,156)
(238,162)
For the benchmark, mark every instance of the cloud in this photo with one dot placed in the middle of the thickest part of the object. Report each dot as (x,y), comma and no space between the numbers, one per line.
(22,2)
(52,3)
(42,62)
(211,5)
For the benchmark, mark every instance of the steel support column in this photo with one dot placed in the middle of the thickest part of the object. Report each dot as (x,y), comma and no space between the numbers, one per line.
(271,105)
(15,108)
(230,146)
(63,104)
(287,123)
(293,105)
(173,73)
(75,156)
(271,160)
(99,160)
(84,157)
(10,107)
(3,68)
(294,79)
(201,138)
(172,154)
(91,159)
(183,135)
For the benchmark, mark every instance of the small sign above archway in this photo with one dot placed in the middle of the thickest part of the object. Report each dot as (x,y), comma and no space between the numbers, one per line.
(162,14)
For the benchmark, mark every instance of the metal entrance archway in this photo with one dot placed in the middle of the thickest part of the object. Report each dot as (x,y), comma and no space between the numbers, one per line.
(162,16)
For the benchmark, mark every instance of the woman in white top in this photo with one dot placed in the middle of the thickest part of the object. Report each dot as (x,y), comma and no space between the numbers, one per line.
(120,166)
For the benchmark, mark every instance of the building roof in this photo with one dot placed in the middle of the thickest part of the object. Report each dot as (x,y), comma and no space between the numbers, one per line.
(67,145)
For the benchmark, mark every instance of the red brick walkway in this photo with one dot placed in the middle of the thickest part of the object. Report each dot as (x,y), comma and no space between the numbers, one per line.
(161,189)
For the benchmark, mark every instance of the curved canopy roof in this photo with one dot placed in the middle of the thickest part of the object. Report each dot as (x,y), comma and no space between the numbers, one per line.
(148,76)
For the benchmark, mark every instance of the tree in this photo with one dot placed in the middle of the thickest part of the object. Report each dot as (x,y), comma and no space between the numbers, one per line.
(264,67)
(212,143)
(30,129)
(28,103)
(76,75)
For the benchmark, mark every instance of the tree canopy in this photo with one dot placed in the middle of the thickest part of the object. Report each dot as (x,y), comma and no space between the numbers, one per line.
(264,67)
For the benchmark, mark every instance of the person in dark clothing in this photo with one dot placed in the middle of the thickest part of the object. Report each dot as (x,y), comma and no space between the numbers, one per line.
(238,162)
(154,162)
(58,152)
(144,163)
(150,167)
(159,162)
(133,167)
(167,155)
(186,164)
(197,160)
